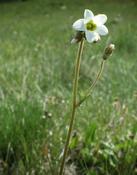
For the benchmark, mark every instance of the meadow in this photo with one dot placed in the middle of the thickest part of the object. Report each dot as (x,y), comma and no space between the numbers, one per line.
(36,73)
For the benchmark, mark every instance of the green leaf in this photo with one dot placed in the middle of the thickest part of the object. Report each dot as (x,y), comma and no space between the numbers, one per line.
(90,133)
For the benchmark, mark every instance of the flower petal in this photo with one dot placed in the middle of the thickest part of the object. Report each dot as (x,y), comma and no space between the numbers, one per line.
(100,19)
(102,30)
(88,14)
(79,25)
(91,36)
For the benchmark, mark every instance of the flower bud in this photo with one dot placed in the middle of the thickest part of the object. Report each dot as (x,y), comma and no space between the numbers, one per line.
(78,37)
(108,51)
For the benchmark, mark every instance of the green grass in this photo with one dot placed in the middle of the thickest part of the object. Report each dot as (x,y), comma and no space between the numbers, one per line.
(36,72)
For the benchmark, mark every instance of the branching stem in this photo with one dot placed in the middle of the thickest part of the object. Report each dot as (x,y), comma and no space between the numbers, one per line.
(89,91)
(74,102)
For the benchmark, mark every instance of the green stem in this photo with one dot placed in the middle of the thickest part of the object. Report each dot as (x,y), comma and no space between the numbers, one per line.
(92,85)
(75,88)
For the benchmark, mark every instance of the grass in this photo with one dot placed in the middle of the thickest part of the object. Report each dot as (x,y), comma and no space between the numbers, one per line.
(36,72)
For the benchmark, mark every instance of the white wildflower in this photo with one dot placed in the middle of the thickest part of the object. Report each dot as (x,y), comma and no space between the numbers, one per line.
(93,26)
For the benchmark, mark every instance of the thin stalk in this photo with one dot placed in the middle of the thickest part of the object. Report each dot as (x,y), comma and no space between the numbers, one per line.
(93,84)
(74,101)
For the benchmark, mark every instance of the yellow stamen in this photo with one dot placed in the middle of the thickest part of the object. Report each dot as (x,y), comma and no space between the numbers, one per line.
(91,25)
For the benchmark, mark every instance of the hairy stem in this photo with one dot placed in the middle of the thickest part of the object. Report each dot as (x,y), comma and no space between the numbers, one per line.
(74,102)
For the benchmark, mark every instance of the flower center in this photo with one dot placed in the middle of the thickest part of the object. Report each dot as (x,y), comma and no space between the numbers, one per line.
(91,26)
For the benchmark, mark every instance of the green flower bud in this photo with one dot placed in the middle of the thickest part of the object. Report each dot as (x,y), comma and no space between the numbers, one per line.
(108,51)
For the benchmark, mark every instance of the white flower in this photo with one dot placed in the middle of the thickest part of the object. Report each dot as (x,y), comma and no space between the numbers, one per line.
(93,26)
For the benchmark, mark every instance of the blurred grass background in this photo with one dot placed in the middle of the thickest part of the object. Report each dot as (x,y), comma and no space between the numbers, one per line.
(36,72)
